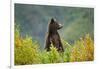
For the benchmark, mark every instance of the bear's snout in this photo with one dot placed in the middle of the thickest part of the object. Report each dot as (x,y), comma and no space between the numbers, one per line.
(60,26)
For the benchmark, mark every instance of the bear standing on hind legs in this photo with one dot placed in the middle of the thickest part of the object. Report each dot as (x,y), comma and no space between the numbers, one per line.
(53,36)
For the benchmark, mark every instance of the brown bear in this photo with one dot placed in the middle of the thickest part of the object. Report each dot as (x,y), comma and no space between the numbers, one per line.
(53,36)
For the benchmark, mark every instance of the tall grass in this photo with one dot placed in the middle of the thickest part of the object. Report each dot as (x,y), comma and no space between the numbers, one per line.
(27,51)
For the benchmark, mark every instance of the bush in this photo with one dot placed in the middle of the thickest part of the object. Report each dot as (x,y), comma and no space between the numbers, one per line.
(27,51)
(83,50)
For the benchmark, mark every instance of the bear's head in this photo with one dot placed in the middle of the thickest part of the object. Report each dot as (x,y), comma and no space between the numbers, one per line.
(54,25)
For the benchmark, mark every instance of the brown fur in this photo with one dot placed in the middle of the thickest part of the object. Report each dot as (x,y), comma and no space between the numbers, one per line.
(53,36)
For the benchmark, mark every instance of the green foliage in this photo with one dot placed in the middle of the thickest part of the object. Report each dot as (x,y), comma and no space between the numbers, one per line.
(27,51)
(54,55)
(83,50)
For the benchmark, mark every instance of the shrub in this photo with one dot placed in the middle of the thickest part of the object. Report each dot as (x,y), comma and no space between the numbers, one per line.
(83,50)
(27,51)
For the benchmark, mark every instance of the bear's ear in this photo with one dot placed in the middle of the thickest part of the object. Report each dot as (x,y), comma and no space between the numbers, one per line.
(52,20)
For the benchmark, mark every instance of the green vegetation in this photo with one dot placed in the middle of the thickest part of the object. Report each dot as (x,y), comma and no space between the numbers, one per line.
(27,51)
